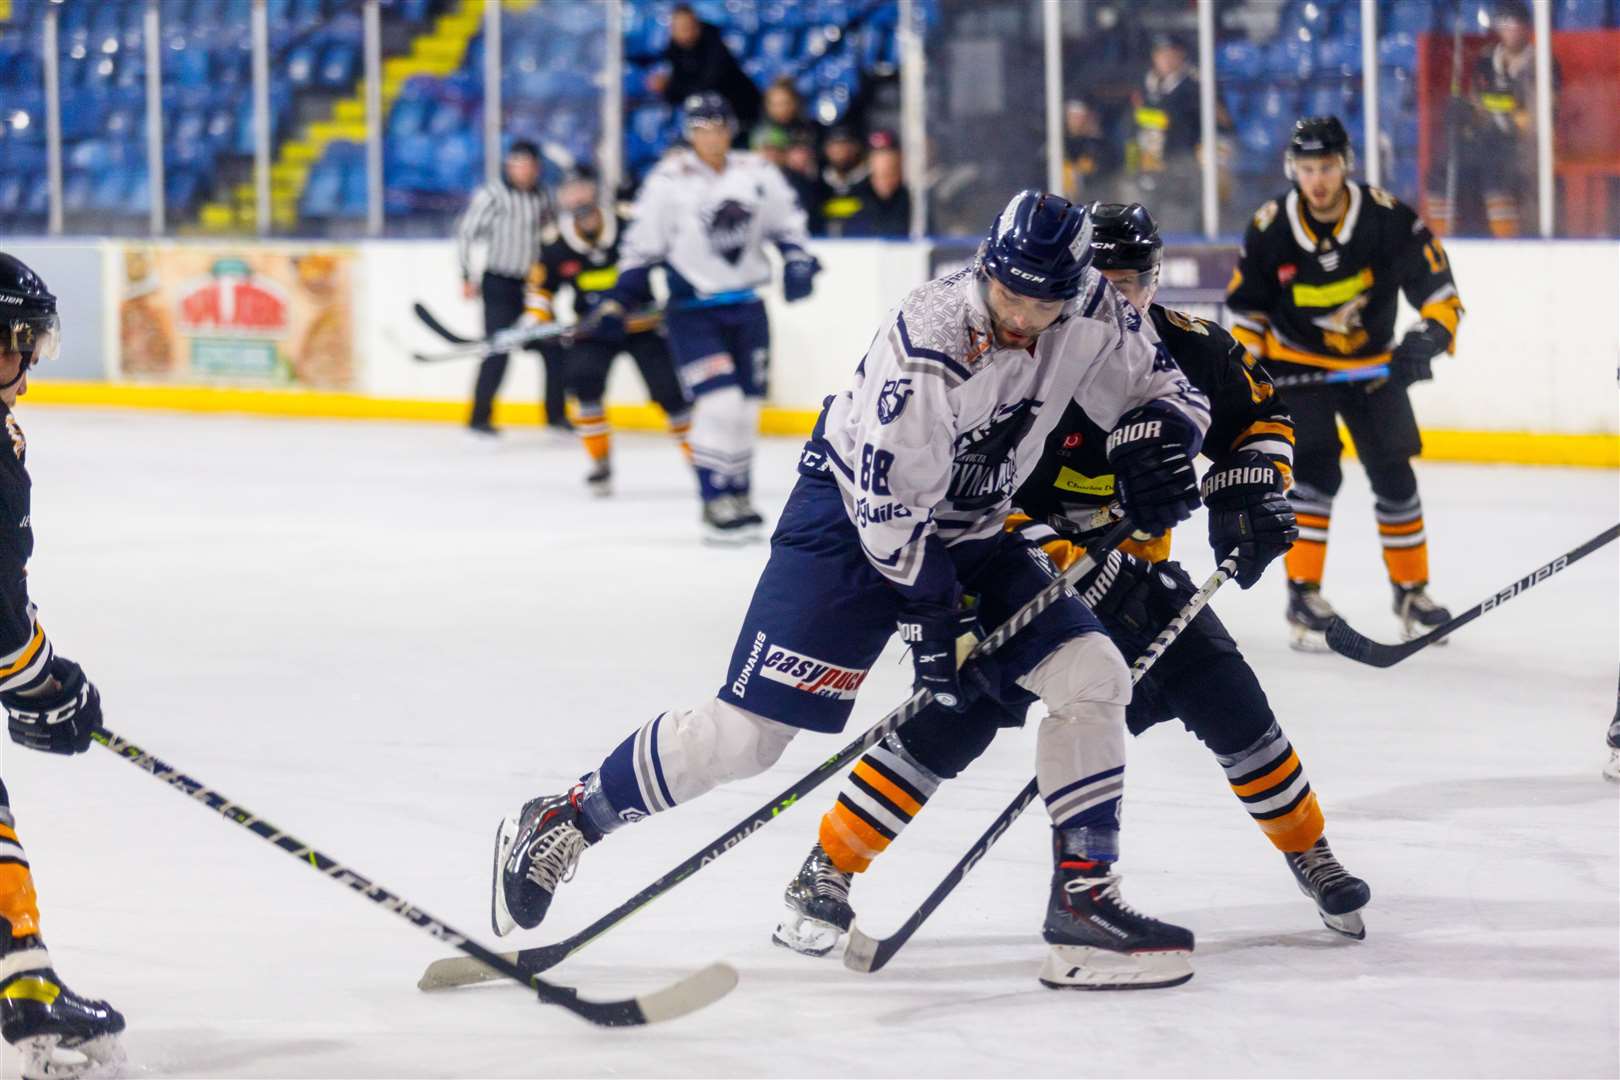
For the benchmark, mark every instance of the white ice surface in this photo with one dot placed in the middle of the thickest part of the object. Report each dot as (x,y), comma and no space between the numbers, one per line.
(382,638)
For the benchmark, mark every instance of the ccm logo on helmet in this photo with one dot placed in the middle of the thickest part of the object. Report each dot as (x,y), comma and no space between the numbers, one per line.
(1026,274)
(1142,429)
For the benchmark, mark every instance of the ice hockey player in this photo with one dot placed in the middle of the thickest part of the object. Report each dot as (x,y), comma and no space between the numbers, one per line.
(1202,678)
(583,255)
(1315,291)
(903,492)
(51,706)
(705,213)
(1612,769)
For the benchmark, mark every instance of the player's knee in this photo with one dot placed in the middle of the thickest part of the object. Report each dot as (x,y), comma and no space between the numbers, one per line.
(734,742)
(1392,481)
(944,743)
(1084,671)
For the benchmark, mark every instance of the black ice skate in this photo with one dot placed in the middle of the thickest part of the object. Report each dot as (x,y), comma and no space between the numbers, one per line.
(1418,613)
(818,911)
(1611,771)
(1308,617)
(59,1035)
(1098,943)
(1338,894)
(600,480)
(731,519)
(536,850)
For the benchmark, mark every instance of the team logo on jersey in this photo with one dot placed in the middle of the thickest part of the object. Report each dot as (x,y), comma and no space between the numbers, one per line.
(1286,272)
(19,445)
(892,400)
(985,470)
(810,676)
(1341,328)
(1329,257)
(728,226)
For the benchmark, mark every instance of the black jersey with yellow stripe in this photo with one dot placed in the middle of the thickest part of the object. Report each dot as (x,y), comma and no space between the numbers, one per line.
(589,266)
(1073,479)
(25,652)
(1325,296)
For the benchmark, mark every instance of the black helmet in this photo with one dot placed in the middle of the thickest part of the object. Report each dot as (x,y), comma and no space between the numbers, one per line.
(1319,136)
(1124,236)
(700,110)
(28,321)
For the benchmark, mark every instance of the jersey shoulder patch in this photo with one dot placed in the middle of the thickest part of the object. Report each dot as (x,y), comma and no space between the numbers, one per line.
(1264,216)
(19,445)
(1382,197)
(933,324)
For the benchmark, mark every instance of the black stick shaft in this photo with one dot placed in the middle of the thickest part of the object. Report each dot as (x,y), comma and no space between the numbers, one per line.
(546,956)
(611,1014)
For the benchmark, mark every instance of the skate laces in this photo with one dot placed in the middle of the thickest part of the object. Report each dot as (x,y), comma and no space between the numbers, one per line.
(555,856)
(1320,867)
(830,882)
(1311,600)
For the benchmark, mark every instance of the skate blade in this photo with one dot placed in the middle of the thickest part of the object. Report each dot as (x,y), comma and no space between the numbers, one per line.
(1081,967)
(44,1057)
(1349,924)
(500,916)
(1611,771)
(599,490)
(1304,639)
(805,935)
(732,537)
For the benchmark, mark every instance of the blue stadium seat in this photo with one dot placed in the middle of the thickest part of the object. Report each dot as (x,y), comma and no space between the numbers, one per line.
(1239,60)
(339,66)
(1398,51)
(1580,15)
(300,65)
(1407,17)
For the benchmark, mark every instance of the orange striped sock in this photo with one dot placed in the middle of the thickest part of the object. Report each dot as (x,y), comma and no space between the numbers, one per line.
(881,796)
(680,426)
(1269,780)
(1406,547)
(590,421)
(1313,513)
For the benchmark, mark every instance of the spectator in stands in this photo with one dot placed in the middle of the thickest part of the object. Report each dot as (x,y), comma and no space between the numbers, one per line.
(699,62)
(1090,159)
(1163,158)
(885,202)
(784,108)
(1504,100)
(800,167)
(844,167)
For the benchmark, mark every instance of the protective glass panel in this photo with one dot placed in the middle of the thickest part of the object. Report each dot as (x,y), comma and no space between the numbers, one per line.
(24,184)
(106,187)
(1275,63)
(1586,120)
(553,56)
(986,110)
(1131,116)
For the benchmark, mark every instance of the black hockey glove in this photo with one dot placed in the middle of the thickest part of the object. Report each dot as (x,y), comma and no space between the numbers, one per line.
(60,720)
(1117,592)
(1157,486)
(1410,362)
(940,638)
(1248,513)
(799,270)
(604,323)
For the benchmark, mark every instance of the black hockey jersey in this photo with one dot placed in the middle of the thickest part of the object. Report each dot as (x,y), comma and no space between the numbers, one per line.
(1326,297)
(1073,478)
(25,652)
(569,260)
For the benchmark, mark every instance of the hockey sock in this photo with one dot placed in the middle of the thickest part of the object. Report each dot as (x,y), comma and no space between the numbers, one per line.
(1312,511)
(20,946)
(1502,211)
(882,793)
(590,420)
(1269,780)
(680,427)
(724,425)
(1406,547)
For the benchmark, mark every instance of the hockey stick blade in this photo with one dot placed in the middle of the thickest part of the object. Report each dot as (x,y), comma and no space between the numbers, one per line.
(686,995)
(868,954)
(462,971)
(428,320)
(1345,640)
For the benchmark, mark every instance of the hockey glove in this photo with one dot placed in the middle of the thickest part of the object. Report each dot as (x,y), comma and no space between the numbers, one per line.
(604,323)
(1248,513)
(59,720)
(935,634)
(1117,592)
(1157,485)
(799,270)
(1410,362)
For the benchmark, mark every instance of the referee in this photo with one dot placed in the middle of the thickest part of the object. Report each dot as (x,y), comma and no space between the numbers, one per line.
(508,217)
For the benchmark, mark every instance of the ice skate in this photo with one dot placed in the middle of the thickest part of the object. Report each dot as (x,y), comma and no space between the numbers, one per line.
(1338,894)
(536,850)
(1611,771)
(599,481)
(730,520)
(59,1035)
(1098,943)
(818,911)
(1308,617)
(1418,613)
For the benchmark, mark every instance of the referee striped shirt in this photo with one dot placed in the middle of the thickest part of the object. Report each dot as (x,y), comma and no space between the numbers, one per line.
(509,222)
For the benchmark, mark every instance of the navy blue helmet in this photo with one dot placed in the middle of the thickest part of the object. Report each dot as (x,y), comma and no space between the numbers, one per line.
(707,108)
(1039,246)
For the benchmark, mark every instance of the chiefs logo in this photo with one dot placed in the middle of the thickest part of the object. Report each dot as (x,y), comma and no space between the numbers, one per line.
(1072,440)
(19,445)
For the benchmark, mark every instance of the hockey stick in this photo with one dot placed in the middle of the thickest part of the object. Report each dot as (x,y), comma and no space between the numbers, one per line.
(869,954)
(460,971)
(1343,639)
(1365,374)
(513,337)
(687,995)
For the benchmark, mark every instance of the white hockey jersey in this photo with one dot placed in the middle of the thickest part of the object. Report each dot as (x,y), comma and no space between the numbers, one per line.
(709,229)
(941,426)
